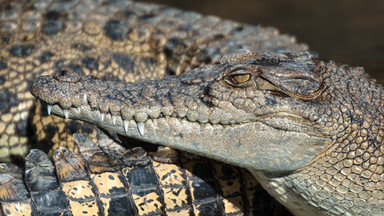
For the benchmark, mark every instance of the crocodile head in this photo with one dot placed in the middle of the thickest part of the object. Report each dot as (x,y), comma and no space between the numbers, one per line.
(259,111)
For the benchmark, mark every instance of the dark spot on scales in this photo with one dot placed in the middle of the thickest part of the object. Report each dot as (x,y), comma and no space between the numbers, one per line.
(124,61)
(147,16)
(73,126)
(49,199)
(3,65)
(168,175)
(111,177)
(120,205)
(87,128)
(218,37)
(172,44)
(52,15)
(128,13)
(6,98)
(2,81)
(203,190)
(117,190)
(91,63)
(22,50)
(149,61)
(22,128)
(6,37)
(209,209)
(52,24)
(46,56)
(59,63)
(202,170)
(77,69)
(116,29)
(238,29)
(228,171)
(270,101)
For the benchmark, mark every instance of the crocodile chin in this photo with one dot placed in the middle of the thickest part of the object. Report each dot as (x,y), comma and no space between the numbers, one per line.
(253,144)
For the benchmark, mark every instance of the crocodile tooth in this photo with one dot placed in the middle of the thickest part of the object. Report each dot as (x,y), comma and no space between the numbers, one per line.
(66,114)
(49,108)
(114,120)
(126,124)
(154,121)
(140,126)
(102,115)
(85,101)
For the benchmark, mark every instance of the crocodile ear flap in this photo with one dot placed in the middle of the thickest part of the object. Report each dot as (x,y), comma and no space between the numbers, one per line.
(304,84)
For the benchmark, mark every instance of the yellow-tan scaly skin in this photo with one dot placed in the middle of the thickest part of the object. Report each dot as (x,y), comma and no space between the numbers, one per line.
(117,40)
(108,179)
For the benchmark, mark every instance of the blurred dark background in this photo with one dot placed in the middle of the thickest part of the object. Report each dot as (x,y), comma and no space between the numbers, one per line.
(346,31)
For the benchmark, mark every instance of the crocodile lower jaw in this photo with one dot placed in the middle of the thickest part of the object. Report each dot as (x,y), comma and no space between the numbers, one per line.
(253,145)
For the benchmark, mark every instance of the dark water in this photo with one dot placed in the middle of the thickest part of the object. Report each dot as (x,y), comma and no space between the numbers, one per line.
(346,31)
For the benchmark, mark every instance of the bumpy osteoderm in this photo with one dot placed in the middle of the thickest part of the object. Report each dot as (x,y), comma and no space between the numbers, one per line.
(309,131)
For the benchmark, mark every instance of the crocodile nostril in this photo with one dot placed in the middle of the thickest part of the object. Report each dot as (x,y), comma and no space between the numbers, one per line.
(66,75)
(63,72)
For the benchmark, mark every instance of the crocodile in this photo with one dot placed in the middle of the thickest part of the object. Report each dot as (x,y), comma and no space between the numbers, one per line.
(310,131)
(105,178)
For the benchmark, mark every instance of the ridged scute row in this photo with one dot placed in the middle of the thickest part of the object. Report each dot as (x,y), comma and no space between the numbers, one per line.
(108,179)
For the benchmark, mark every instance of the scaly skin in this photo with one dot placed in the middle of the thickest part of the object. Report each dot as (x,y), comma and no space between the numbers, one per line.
(310,132)
(108,179)
(117,40)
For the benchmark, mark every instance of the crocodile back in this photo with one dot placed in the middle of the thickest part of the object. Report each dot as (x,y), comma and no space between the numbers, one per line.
(108,179)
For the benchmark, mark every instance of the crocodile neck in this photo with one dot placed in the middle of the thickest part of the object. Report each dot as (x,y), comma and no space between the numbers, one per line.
(309,131)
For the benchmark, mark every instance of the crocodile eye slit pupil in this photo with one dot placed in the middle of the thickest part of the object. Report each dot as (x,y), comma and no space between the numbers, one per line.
(240,78)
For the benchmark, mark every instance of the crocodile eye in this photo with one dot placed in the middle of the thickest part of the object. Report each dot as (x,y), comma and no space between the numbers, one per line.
(240,78)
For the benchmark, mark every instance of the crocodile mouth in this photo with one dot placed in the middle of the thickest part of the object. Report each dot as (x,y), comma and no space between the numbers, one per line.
(277,120)
(290,122)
